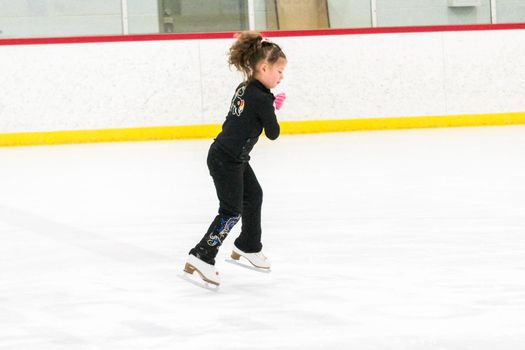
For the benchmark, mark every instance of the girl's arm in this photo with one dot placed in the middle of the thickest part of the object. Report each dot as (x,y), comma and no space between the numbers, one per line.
(269,119)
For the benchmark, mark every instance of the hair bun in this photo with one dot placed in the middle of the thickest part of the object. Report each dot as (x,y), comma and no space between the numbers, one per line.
(249,48)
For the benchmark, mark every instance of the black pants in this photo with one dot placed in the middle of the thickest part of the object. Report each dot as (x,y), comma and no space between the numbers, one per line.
(240,195)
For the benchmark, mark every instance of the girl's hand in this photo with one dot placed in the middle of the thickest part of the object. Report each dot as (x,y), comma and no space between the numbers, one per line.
(279,100)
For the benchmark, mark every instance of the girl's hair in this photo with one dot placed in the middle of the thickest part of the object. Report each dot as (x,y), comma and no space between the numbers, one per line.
(249,49)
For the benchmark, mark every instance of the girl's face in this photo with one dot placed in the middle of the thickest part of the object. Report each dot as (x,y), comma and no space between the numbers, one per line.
(270,75)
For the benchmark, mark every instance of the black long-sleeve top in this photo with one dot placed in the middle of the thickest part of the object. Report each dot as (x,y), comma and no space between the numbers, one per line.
(251,111)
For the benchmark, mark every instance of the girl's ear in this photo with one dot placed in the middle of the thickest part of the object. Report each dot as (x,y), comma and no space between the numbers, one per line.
(263,67)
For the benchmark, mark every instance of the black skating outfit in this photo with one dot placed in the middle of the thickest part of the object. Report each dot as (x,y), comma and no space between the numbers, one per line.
(239,192)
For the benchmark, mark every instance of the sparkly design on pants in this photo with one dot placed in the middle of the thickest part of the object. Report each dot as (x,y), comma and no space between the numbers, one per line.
(225,225)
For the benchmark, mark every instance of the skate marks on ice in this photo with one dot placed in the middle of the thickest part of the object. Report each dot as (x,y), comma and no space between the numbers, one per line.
(247,266)
(92,242)
(420,310)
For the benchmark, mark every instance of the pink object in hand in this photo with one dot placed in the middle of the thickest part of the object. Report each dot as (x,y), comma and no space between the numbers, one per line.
(279,100)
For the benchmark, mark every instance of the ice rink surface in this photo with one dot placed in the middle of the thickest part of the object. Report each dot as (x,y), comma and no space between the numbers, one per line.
(410,239)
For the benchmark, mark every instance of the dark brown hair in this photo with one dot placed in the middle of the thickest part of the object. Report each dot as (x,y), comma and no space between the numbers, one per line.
(249,49)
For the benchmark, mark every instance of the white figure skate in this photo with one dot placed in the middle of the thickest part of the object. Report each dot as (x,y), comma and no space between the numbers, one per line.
(207,272)
(258,260)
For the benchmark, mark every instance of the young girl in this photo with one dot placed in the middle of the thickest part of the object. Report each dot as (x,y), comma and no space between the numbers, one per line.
(262,63)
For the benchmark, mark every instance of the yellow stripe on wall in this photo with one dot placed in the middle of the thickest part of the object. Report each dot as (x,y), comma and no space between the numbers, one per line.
(403,123)
(110,135)
(288,127)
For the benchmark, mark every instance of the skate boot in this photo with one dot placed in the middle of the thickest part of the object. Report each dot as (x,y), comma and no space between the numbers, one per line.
(202,257)
(207,272)
(258,260)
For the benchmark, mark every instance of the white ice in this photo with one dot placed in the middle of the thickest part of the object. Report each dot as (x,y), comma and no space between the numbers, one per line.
(404,240)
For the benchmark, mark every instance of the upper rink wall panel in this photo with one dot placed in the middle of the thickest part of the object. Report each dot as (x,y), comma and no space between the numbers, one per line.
(60,86)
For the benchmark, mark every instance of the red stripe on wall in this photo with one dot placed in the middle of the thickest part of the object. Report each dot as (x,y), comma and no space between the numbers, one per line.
(283,33)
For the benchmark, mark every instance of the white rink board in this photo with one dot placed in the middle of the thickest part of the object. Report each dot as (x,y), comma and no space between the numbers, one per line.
(166,83)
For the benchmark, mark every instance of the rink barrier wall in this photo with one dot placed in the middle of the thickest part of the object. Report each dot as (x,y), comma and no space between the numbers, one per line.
(287,128)
(177,86)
